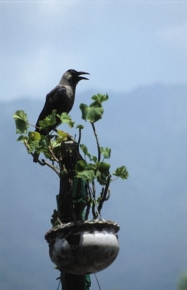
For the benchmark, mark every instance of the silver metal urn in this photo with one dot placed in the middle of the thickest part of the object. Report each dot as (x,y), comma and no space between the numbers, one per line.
(83,247)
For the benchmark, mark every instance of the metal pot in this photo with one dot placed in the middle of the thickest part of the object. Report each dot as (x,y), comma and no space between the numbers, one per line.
(83,247)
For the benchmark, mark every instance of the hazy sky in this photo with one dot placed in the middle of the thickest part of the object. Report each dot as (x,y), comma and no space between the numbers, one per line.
(122,44)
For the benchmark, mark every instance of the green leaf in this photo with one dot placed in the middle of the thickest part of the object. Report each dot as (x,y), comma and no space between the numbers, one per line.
(94,159)
(93,113)
(21,122)
(63,135)
(100,98)
(34,136)
(80,127)
(81,165)
(37,143)
(121,172)
(33,140)
(103,167)
(106,152)
(88,175)
(21,115)
(85,151)
(57,142)
(55,218)
(66,119)
(22,138)
(102,172)
(48,121)
(85,170)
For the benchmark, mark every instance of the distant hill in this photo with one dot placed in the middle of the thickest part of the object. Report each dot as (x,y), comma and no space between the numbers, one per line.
(147,131)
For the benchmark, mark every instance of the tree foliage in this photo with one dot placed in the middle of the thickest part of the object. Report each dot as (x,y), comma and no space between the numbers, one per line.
(182,284)
(90,168)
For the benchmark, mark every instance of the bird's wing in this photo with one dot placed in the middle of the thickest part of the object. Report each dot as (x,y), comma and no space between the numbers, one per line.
(54,99)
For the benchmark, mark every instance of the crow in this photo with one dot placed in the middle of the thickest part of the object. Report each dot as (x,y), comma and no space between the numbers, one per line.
(61,99)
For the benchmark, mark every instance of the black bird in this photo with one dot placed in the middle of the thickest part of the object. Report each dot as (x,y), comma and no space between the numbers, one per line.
(61,99)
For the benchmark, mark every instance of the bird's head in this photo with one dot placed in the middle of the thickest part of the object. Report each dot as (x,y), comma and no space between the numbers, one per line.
(72,77)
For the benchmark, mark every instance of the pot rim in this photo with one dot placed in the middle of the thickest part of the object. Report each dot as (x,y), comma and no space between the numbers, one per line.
(81,226)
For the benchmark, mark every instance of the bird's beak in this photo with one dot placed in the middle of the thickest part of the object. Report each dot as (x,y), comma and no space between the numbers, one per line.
(82,73)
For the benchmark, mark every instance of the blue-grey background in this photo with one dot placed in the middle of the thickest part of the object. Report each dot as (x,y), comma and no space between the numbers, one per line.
(136,52)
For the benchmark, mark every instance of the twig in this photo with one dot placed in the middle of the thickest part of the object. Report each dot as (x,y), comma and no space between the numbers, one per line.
(43,162)
(52,153)
(97,141)
(33,126)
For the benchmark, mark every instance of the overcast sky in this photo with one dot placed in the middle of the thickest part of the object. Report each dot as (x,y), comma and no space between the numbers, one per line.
(122,44)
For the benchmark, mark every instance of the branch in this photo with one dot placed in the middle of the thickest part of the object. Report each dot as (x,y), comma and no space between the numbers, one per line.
(33,126)
(43,162)
(52,153)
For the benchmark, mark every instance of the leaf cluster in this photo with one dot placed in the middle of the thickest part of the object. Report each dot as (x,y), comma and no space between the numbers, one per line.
(50,145)
(34,141)
(94,112)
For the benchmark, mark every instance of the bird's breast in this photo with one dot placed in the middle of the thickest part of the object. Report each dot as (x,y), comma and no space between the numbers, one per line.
(68,101)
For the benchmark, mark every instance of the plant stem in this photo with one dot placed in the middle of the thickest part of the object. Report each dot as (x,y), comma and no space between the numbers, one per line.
(104,196)
(97,141)
(79,140)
